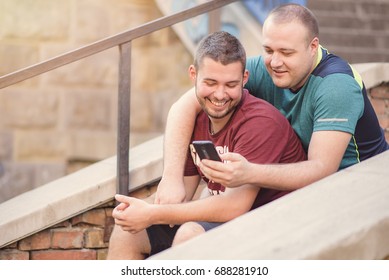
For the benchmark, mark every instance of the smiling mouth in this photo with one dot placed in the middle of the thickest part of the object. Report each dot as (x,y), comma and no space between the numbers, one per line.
(218,103)
(278,72)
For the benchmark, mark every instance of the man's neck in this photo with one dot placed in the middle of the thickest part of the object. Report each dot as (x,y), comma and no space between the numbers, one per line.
(215,125)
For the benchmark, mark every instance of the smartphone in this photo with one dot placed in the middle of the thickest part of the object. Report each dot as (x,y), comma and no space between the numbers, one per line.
(206,150)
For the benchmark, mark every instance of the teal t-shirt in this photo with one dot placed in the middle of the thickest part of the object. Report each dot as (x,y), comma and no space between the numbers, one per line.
(333,98)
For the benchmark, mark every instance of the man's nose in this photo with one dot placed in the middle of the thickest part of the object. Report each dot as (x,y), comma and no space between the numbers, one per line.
(219,92)
(275,60)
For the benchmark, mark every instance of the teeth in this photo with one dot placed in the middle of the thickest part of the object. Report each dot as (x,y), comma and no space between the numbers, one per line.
(219,104)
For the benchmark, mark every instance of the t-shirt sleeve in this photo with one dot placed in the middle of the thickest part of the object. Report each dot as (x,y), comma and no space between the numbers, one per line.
(338,104)
(190,167)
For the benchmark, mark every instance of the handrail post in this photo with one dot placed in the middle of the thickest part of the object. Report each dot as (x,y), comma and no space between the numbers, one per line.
(123,141)
(214,22)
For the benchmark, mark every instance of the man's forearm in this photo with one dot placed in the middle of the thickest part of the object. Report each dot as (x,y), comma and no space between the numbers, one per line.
(218,208)
(179,128)
(284,176)
(324,156)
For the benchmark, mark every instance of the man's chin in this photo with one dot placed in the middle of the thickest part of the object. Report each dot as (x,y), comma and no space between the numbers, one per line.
(217,116)
(280,83)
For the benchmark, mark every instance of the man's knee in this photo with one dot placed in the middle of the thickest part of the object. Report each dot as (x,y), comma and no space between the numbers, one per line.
(125,245)
(187,231)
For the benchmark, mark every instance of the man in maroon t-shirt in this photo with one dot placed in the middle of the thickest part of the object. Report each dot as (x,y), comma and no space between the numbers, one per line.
(234,121)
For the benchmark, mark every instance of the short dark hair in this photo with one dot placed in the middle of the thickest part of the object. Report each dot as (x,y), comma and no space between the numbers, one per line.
(222,47)
(289,12)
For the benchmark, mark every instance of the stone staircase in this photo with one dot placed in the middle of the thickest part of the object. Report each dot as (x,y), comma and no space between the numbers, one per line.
(357,30)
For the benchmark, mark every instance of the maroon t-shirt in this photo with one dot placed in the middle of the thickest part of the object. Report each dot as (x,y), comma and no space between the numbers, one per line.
(257,131)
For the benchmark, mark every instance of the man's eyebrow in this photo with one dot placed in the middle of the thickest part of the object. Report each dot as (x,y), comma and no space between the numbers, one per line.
(209,80)
(281,49)
(213,80)
(287,50)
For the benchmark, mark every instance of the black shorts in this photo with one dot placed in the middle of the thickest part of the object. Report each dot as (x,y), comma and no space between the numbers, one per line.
(161,236)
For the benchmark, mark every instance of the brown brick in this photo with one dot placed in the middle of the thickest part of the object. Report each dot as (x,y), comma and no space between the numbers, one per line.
(102,254)
(92,217)
(384,121)
(108,212)
(145,192)
(38,241)
(379,105)
(67,238)
(381,92)
(62,224)
(64,255)
(94,238)
(110,204)
(109,224)
(11,254)
(11,246)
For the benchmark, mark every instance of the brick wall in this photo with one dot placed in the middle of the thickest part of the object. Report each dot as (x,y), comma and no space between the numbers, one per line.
(83,237)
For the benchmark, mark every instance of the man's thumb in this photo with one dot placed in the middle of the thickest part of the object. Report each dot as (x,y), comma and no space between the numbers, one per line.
(122,198)
(230,157)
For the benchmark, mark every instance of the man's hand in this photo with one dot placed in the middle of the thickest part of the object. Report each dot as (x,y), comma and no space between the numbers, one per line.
(233,172)
(132,214)
(170,192)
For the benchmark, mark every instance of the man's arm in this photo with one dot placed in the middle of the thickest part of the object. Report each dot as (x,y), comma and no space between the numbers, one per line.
(216,208)
(325,153)
(179,128)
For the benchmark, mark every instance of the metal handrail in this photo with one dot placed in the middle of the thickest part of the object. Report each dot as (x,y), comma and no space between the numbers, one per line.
(123,41)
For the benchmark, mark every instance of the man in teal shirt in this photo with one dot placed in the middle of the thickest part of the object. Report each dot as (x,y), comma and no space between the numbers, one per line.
(333,98)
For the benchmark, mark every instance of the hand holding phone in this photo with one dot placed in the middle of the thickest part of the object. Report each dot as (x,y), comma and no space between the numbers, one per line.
(206,150)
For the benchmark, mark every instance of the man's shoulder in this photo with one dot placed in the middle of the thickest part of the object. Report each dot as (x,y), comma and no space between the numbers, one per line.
(332,64)
(254,63)
(259,107)
(256,101)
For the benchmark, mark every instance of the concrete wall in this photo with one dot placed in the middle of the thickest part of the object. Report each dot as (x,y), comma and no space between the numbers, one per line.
(59,122)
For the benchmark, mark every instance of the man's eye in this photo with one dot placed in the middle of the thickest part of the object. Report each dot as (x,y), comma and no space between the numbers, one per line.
(268,51)
(232,85)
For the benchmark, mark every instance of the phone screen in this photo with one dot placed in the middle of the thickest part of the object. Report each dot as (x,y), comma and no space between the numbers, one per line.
(206,150)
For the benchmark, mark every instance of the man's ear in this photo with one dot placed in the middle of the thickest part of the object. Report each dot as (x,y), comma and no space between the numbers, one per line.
(315,45)
(246,75)
(192,73)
